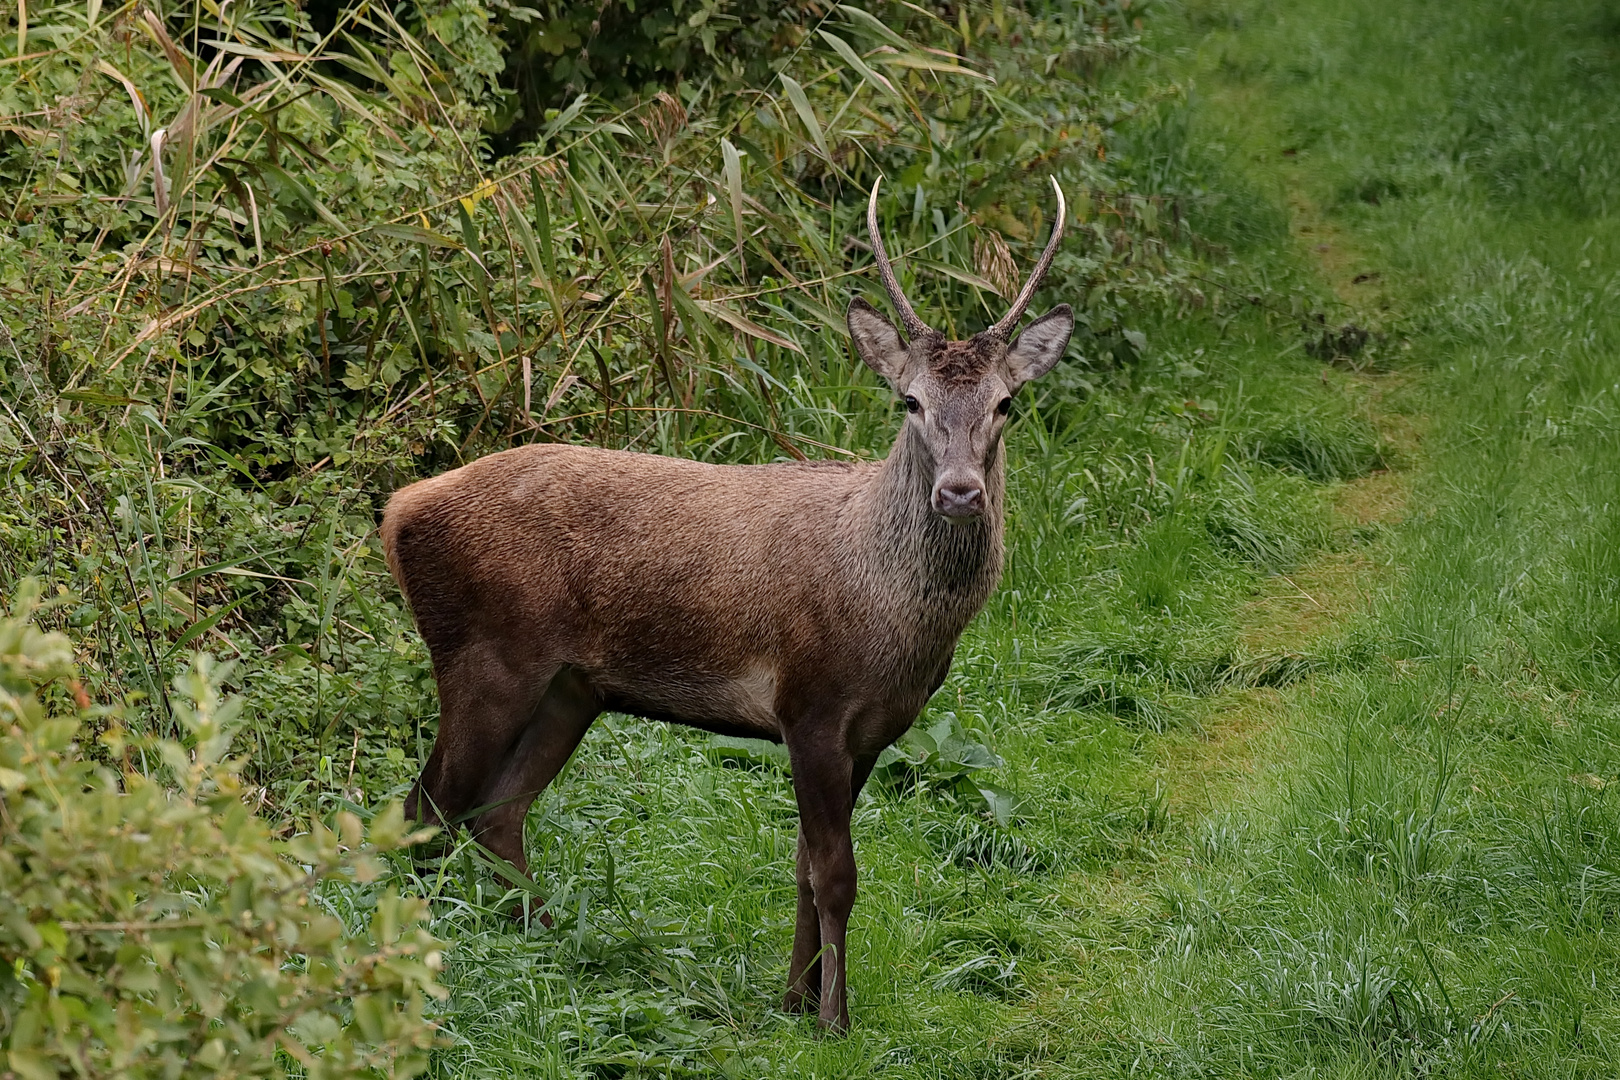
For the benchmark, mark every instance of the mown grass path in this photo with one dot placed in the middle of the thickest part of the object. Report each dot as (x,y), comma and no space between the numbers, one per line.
(1241,732)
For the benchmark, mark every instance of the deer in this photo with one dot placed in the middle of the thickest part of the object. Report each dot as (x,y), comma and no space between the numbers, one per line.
(816,604)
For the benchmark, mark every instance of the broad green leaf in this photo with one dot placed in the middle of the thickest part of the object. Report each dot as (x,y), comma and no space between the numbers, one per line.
(136,98)
(303,192)
(872,24)
(752,751)
(223,96)
(660,335)
(525,236)
(542,214)
(923,63)
(564,118)
(836,323)
(355,101)
(469,235)
(747,364)
(586,213)
(542,222)
(253,52)
(222,567)
(97,397)
(1002,803)
(966,277)
(417,235)
(183,71)
(202,626)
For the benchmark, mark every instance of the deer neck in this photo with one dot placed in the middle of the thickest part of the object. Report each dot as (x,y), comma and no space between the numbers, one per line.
(947,569)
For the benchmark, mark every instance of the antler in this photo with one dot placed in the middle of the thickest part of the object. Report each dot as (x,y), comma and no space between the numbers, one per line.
(914,325)
(1010,320)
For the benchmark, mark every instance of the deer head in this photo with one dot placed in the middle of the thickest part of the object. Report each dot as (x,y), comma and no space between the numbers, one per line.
(958,393)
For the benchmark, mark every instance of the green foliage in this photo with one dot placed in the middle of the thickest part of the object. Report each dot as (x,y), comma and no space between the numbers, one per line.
(371,285)
(354,282)
(555,51)
(939,755)
(944,756)
(338,287)
(155,930)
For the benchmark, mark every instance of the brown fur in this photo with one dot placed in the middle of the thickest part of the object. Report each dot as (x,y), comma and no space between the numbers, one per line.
(818,604)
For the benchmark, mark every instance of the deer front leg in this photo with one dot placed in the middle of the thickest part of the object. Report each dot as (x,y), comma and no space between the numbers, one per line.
(825,780)
(804,968)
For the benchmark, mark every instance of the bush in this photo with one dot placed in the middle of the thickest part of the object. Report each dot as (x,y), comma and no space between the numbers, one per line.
(555,50)
(948,759)
(151,930)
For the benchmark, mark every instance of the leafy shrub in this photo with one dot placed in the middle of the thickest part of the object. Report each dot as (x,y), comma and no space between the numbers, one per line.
(158,931)
(943,756)
(556,50)
(739,753)
(947,758)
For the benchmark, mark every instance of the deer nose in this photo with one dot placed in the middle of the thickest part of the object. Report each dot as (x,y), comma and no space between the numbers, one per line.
(959,500)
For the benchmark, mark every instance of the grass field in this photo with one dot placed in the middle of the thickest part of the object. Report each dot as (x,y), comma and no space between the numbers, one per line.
(1304,674)
(1290,745)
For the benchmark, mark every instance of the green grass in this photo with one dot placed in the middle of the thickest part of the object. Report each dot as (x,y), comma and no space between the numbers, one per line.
(1384,841)
(1415,869)
(1424,882)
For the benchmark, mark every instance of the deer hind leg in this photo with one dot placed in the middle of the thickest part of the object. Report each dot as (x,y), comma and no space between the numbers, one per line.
(555,727)
(804,968)
(485,705)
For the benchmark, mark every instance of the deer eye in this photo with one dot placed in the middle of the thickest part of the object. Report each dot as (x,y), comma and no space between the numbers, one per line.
(913,405)
(1004,406)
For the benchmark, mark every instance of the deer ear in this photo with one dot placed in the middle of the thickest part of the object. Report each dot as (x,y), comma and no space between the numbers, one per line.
(1038,349)
(877,342)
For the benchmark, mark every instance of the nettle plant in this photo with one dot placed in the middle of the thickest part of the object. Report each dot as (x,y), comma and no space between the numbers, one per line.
(155,926)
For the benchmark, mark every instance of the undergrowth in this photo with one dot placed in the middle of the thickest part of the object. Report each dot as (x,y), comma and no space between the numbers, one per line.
(349,274)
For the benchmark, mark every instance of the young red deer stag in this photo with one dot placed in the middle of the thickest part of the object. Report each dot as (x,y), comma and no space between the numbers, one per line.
(813,603)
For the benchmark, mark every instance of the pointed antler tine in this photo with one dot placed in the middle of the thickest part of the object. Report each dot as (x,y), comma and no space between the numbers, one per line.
(1009,321)
(915,327)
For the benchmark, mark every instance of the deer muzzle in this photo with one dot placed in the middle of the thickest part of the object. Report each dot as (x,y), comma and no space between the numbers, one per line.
(959,498)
